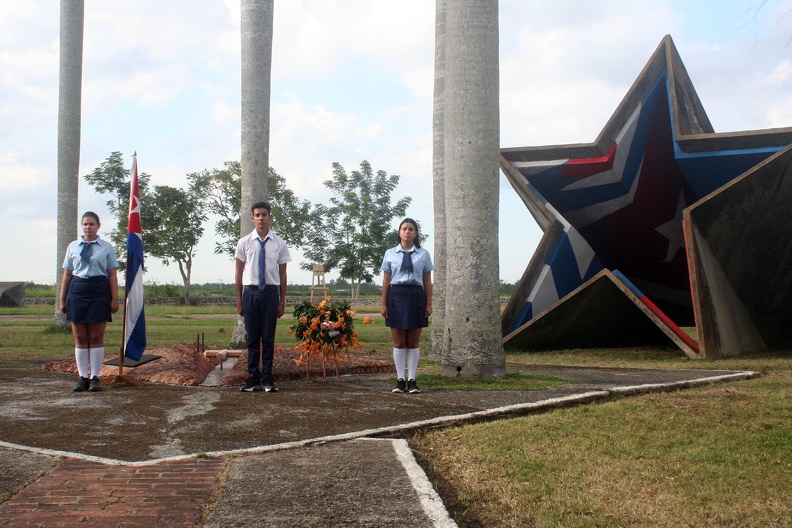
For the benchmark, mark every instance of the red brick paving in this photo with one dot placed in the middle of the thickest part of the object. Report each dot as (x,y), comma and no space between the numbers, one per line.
(85,493)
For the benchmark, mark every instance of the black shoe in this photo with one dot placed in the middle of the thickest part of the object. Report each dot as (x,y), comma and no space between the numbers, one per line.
(96,385)
(401,386)
(412,387)
(252,384)
(82,385)
(269,386)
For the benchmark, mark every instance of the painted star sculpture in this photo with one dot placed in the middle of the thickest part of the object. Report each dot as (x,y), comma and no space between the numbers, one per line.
(615,267)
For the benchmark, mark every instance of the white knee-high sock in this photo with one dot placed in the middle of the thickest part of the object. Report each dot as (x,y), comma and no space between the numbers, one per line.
(398,358)
(97,357)
(412,362)
(82,358)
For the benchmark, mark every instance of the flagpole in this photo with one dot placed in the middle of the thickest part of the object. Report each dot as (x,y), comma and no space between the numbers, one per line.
(121,377)
(123,325)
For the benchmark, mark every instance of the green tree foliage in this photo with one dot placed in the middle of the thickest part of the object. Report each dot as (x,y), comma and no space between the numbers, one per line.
(222,191)
(172,218)
(111,178)
(177,226)
(352,234)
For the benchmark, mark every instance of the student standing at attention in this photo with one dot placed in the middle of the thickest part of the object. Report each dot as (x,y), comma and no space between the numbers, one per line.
(88,295)
(407,300)
(260,280)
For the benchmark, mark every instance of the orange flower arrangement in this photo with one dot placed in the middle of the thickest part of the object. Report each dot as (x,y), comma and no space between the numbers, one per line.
(324,330)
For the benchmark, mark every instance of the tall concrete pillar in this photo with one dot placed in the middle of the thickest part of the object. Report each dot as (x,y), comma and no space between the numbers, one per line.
(474,344)
(72,13)
(437,338)
(256,28)
(257,20)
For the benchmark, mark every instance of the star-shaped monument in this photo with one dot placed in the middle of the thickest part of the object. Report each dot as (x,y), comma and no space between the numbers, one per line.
(612,211)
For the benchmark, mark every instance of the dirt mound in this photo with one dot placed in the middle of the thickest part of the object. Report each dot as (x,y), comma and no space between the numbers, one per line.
(183,364)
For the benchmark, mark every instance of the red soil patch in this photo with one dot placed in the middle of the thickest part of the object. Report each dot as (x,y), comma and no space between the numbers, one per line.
(284,366)
(182,364)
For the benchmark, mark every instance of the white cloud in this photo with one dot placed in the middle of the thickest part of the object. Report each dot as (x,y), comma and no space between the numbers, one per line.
(314,37)
(223,111)
(20,176)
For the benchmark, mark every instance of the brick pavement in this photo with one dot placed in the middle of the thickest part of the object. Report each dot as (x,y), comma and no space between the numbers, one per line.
(85,493)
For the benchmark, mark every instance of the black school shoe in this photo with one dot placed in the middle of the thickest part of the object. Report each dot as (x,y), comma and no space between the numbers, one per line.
(96,385)
(401,387)
(412,387)
(252,384)
(82,385)
(269,386)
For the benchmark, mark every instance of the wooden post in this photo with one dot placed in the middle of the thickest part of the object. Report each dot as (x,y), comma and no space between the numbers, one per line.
(318,280)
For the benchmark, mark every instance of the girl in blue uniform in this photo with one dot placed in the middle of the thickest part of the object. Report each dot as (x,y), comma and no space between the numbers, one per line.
(88,296)
(407,301)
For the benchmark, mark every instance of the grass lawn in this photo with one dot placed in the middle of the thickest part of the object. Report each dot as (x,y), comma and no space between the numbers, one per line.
(719,455)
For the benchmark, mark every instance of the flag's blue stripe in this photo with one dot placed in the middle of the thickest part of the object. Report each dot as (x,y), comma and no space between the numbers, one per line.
(134,313)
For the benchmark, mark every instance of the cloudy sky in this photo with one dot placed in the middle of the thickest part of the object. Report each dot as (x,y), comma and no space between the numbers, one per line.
(351,80)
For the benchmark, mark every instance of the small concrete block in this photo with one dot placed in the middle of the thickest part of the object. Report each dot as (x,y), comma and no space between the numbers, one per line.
(12,294)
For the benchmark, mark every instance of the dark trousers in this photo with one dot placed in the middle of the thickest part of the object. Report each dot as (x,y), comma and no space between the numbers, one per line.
(260,309)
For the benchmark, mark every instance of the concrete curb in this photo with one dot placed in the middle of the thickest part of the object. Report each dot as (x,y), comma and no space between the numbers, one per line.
(430,501)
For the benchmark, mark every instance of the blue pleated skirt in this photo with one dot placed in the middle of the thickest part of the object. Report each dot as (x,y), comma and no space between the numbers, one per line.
(406,307)
(88,300)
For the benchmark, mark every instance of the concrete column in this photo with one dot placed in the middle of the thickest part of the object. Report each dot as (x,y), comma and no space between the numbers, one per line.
(69,125)
(256,29)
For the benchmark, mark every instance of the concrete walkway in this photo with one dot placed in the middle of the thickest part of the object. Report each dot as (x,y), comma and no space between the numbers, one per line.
(315,454)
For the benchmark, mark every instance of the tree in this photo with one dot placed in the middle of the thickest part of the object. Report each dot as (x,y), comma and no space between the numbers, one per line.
(474,344)
(72,17)
(352,234)
(177,217)
(222,191)
(172,218)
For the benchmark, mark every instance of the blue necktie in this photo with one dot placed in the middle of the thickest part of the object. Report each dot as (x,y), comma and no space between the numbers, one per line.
(406,261)
(262,281)
(86,252)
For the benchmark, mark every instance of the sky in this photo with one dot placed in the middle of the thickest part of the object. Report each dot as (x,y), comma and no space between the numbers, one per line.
(352,80)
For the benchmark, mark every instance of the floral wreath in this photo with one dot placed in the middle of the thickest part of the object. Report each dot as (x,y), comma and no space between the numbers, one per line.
(324,330)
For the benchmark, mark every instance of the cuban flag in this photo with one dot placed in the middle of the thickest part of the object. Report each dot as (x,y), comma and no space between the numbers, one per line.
(134,318)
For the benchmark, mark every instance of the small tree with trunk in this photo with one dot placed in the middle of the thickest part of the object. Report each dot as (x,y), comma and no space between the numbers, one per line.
(352,233)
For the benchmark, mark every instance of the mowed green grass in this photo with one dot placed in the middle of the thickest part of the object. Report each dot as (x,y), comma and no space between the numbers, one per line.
(719,455)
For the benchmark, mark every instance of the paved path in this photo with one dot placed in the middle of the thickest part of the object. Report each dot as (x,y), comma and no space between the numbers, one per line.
(333,467)
(85,493)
